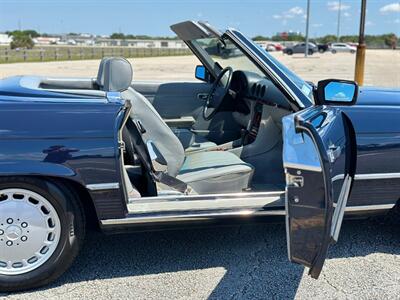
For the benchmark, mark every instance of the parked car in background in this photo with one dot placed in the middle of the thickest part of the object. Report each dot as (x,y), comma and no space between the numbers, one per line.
(342,47)
(301,48)
(274,47)
(270,48)
(323,48)
(278,47)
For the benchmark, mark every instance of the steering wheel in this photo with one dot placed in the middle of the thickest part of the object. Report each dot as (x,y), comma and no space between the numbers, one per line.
(217,94)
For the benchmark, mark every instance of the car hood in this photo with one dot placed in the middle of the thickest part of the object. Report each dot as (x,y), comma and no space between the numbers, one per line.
(379,96)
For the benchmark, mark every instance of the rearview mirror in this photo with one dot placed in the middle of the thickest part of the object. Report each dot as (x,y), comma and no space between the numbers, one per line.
(201,73)
(337,92)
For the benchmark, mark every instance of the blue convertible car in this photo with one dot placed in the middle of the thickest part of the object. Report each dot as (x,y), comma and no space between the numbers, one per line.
(249,139)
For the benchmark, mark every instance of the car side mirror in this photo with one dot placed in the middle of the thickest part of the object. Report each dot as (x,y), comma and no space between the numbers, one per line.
(337,92)
(202,74)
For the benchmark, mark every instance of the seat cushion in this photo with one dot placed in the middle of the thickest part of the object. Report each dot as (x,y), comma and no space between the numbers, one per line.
(215,172)
(192,141)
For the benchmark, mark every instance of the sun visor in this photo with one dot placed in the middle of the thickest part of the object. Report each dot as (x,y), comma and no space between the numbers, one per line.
(190,30)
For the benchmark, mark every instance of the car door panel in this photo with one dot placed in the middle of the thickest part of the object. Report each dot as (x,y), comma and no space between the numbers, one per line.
(174,99)
(319,146)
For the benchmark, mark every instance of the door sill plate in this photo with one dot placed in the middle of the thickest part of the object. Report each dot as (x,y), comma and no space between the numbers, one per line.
(206,202)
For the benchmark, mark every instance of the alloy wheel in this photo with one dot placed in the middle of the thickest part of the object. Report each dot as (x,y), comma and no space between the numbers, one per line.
(30,230)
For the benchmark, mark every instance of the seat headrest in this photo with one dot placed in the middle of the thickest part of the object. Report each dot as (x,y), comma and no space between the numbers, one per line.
(115,74)
(100,73)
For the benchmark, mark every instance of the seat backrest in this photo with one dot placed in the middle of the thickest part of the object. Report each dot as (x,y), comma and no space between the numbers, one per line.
(114,75)
(100,73)
(154,129)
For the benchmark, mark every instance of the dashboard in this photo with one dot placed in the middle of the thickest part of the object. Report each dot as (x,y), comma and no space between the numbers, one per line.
(253,87)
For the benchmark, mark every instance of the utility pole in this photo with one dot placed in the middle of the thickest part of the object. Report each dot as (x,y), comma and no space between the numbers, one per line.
(307,27)
(360,58)
(338,20)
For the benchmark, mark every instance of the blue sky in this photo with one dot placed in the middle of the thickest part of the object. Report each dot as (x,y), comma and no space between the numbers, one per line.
(153,17)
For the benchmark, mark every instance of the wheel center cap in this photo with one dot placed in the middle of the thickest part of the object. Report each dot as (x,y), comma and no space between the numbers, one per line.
(13,232)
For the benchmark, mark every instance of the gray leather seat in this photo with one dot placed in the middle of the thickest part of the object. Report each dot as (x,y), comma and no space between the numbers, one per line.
(190,141)
(205,172)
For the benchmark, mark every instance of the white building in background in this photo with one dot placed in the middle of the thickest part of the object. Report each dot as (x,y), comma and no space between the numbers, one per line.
(173,44)
(40,40)
(5,39)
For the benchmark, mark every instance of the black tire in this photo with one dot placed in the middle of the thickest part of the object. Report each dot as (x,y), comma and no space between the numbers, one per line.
(72,220)
(352,51)
(334,51)
(321,50)
(310,52)
(289,52)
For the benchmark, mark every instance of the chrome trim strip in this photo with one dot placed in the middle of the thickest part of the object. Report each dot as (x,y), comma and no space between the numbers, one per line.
(369,207)
(243,203)
(377,176)
(147,219)
(189,217)
(302,167)
(340,208)
(232,196)
(103,186)
(370,176)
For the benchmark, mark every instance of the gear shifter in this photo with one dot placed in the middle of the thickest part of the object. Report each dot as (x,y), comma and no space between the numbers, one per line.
(243,135)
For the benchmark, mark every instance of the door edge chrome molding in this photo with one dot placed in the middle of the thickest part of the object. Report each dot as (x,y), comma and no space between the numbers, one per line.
(103,186)
(369,207)
(302,167)
(370,176)
(193,216)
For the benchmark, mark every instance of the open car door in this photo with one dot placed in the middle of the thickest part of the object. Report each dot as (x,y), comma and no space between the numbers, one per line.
(319,157)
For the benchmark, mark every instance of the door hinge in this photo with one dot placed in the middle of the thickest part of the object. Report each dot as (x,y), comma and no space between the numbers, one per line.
(121,145)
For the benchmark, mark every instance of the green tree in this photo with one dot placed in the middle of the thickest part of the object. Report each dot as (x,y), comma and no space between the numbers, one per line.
(31,33)
(330,38)
(119,36)
(390,40)
(21,40)
(260,38)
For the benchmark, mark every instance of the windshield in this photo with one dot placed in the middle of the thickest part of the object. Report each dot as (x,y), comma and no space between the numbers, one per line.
(225,53)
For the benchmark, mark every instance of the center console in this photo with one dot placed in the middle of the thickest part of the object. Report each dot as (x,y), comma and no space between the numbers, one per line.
(255,124)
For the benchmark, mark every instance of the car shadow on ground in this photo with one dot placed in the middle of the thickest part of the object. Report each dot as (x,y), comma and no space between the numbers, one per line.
(254,256)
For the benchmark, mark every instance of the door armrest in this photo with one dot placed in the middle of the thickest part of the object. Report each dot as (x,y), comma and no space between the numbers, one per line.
(182,122)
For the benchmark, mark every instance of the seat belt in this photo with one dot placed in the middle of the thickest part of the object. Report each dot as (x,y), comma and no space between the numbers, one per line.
(158,176)
(172,182)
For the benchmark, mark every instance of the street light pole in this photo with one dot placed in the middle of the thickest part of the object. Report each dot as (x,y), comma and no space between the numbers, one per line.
(307,27)
(338,21)
(360,58)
